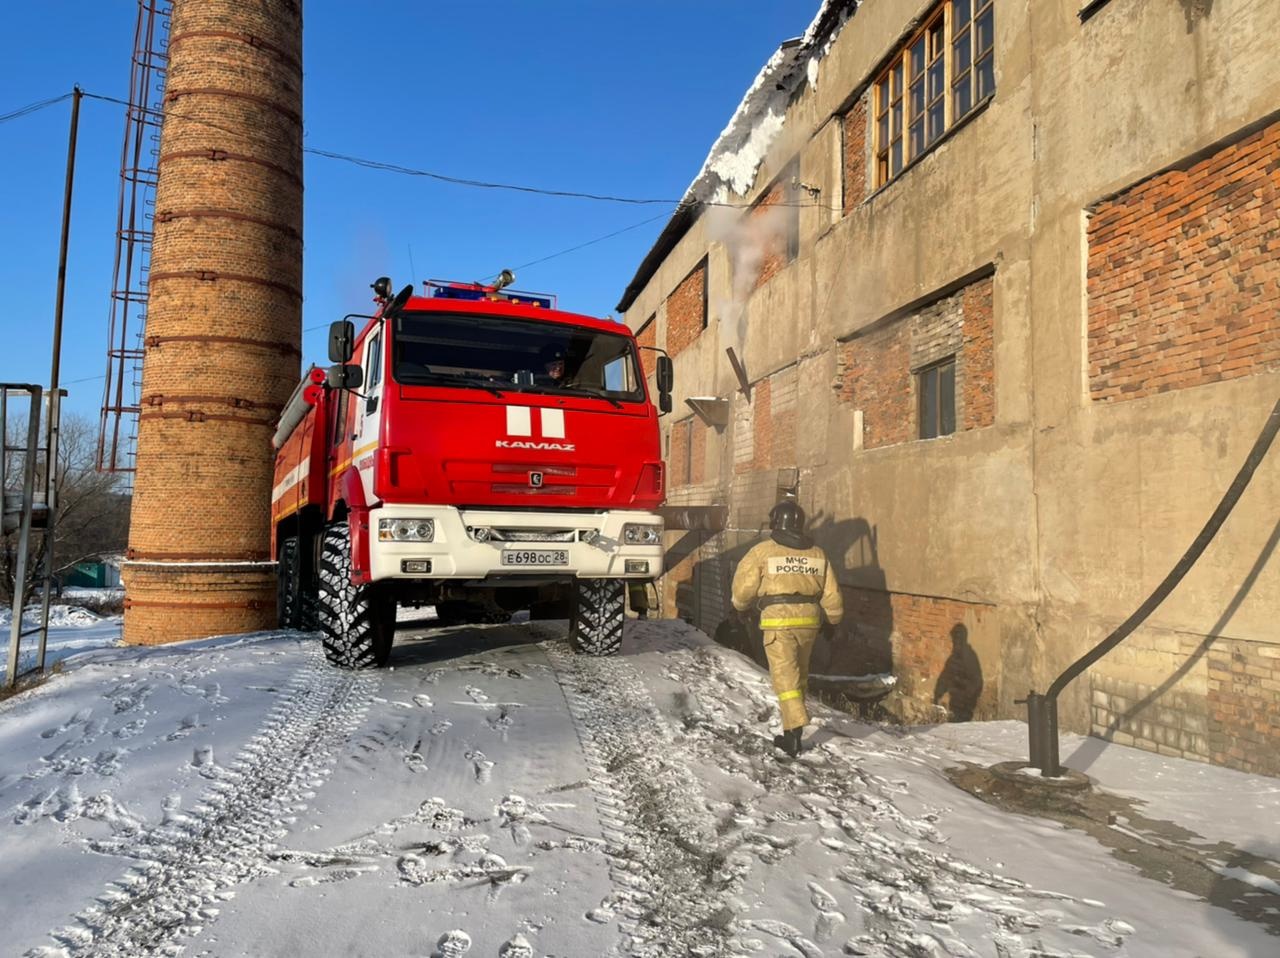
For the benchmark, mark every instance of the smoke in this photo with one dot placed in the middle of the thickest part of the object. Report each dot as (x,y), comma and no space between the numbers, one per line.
(750,238)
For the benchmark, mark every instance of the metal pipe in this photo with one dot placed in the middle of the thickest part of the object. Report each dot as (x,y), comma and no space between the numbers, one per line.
(1045,723)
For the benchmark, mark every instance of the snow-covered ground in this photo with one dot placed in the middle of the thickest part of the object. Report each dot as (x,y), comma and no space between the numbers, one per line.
(495,794)
(72,629)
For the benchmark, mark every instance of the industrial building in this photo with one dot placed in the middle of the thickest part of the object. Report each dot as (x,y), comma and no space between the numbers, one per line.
(1001,284)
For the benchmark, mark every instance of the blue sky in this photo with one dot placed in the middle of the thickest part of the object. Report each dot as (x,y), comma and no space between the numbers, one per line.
(584,95)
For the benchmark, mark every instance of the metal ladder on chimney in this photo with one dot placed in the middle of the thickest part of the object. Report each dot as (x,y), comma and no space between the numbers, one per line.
(28,489)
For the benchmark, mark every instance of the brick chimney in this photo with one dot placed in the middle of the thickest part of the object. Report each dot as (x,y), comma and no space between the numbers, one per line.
(223,334)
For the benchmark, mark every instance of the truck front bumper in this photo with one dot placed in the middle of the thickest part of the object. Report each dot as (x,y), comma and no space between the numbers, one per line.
(470,543)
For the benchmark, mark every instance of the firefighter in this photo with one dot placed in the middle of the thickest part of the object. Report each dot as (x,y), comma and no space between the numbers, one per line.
(553,364)
(792,583)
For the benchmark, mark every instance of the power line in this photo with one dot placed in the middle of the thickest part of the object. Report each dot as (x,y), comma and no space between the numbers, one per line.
(33,108)
(371,164)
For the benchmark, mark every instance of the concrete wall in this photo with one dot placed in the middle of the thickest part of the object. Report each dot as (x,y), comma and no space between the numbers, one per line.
(1042,525)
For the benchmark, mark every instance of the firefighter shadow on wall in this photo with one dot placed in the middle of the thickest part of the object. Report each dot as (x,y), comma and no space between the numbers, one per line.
(960,682)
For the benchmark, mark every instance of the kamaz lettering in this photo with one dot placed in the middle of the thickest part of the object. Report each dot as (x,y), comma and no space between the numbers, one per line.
(522,444)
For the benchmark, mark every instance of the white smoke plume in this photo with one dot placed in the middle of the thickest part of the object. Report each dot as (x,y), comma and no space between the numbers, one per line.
(750,237)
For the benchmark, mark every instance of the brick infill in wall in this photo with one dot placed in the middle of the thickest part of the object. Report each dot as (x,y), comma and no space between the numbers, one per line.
(875,370)
(1184,275)
(686,310)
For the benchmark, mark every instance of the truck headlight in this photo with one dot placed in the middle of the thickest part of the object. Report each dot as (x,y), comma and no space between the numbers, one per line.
(641,534)
(406,530)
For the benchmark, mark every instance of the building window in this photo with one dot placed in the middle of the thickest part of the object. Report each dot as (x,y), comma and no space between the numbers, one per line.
(936,388)
(953,51)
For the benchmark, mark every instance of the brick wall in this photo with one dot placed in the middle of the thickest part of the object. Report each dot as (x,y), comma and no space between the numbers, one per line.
(976,372)
(855,154)
(762,422)
(687,310)
(1184,275)
(678,458)
(648,336)
(875,370)
(874,374)
(1244,723)
(767,227)
(1218,705)
(698,450)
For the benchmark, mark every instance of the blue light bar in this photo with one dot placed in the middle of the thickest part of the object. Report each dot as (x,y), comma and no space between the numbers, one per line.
(446,289)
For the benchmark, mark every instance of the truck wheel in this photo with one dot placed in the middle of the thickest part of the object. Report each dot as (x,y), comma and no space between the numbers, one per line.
(288,582)
(599,608)
(357,622)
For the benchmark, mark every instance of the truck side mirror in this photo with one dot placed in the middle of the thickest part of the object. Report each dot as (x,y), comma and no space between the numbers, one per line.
(666,379)
(344,376)
(342,341)
(666,374)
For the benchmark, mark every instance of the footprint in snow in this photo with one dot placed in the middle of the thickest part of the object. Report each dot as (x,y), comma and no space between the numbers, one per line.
(483,766)
(422,701)
(829,915)
(517,947)
(452,944)
(476,694)
(80,718)
(441,727)
(415,761)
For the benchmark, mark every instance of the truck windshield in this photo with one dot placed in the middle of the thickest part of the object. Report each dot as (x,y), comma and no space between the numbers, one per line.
(494,353)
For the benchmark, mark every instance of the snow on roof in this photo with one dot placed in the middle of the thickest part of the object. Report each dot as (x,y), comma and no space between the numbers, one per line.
(735,157)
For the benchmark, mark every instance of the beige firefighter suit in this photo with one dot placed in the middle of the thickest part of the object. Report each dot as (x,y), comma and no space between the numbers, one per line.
(790,627)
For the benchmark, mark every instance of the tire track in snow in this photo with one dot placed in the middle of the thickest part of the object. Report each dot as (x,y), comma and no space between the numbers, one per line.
(192,860)
(672,878)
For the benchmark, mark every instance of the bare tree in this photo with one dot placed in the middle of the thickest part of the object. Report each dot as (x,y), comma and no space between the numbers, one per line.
(92,519)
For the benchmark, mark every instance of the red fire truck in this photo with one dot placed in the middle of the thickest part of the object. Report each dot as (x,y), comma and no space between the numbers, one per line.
(475,449)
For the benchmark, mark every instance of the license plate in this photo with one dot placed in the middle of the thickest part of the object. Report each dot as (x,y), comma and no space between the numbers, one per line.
(535,557)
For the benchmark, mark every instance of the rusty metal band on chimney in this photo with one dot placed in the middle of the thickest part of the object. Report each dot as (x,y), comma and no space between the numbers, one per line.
(218,155)
(251,604)
(211,276)
(197,415)
(133,554)
(247,38)
(238,402)
(171,95)
(169,216)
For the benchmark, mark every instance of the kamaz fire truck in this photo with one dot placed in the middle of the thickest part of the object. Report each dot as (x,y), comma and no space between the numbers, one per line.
(475,449)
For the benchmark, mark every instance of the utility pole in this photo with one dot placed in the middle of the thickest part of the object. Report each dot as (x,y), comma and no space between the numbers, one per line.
(54,422)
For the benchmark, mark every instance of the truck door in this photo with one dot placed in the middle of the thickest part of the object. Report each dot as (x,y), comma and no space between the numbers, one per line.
(368,409)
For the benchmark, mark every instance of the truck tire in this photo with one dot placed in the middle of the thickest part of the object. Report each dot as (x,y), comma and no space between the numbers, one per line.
(357,622)
(288,585)
(599,609)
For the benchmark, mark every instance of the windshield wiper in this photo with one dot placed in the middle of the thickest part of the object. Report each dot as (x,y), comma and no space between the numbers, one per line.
(594,393)
(446,380)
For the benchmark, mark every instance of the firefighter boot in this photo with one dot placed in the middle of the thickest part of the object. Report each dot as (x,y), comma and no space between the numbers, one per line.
(789,740)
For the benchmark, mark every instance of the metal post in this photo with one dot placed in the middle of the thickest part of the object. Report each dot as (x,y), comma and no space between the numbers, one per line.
(24,533)
(50,527)
(76,94)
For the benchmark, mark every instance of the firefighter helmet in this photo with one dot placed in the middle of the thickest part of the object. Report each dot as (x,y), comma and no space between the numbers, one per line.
(787,516)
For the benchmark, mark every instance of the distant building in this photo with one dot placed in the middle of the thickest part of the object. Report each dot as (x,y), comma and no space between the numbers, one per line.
(1006,292)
